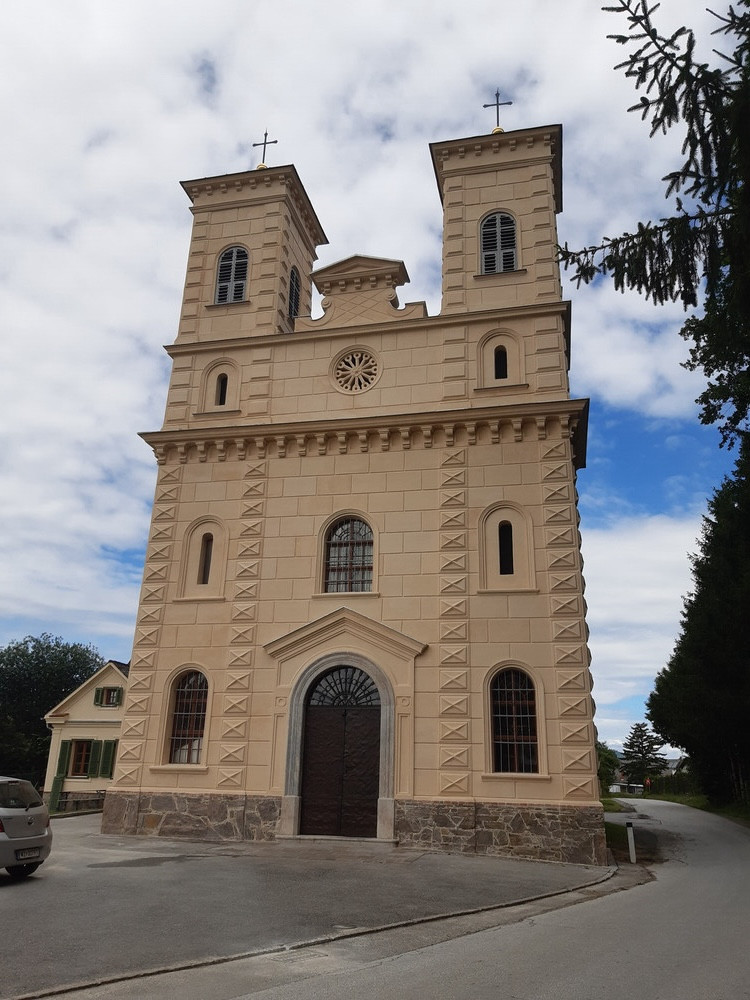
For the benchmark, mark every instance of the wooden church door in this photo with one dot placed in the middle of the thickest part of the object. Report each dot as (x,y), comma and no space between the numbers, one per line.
(341,755)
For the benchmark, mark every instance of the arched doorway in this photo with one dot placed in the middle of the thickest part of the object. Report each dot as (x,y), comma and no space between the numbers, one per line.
(340,774)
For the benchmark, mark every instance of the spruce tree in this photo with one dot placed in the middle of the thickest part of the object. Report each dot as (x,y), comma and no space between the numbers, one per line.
(701,699)
(699,253)
(640,754)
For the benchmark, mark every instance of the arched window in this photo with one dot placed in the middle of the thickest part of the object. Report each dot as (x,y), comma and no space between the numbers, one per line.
(505,547)
(501,362)
(222,384)
(188,718)
(204,565)
(498,243)
(348,556)
(203,560)
(515,747)
(294,287)
(231,276)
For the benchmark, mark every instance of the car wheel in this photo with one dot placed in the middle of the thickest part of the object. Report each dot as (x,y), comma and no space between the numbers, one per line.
(21,871)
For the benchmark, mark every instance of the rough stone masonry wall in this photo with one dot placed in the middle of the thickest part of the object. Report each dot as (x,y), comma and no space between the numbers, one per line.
(207,817)
(572,834)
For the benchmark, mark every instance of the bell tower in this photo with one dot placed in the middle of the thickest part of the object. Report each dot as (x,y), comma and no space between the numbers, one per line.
(500,195)
(265,213)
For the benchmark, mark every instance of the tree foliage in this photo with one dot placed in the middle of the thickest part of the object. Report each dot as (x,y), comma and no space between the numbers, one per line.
(608,765)
(701,699)
(700,253)
(640,754)
(36,674)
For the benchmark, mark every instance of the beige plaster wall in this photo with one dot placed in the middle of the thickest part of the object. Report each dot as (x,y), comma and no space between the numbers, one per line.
(426,454)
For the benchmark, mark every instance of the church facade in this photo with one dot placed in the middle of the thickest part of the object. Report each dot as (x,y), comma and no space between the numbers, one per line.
(362,609)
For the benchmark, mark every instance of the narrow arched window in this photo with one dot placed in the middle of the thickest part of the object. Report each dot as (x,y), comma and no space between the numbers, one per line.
(501,362)
(515,748)
(204,564)
(498,243)
(294,287)
(231,277)
(188,718)
(505,547)
(222,384)
(348,556)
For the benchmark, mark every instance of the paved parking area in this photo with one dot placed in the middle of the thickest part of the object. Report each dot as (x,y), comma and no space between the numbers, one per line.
(105,907)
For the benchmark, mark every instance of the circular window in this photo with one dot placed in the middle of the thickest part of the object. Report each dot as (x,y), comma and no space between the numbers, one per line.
(356,370)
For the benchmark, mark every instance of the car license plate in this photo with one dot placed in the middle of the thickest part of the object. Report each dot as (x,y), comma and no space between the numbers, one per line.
(27,854)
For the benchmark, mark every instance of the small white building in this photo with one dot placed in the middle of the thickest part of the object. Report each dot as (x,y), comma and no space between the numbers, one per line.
(85,733)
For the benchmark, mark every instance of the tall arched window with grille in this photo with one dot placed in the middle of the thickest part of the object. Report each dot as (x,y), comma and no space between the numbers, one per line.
(231,275)
(294,290)
(348,556)
(498,243)
(188,718)
(515,746)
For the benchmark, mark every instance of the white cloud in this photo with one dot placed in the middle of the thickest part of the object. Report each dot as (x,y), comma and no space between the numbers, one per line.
(113,104)
(637,571)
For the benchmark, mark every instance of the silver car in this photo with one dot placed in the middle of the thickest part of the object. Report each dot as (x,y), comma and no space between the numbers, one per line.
(25,833)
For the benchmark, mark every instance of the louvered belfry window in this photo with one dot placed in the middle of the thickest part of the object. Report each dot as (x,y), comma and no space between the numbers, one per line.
(294,287)
(348,557)
(231,277)
(498,237)
(514,734)
(188,719)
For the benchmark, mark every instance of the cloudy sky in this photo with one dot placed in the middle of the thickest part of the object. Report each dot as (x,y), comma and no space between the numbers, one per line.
(106,106)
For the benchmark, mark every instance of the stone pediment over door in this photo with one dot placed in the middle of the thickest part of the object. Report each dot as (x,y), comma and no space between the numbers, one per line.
(345,631)
(361,290)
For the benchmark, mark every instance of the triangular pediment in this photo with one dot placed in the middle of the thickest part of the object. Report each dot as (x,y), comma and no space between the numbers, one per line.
(344,622)
(360,271)
(112,674)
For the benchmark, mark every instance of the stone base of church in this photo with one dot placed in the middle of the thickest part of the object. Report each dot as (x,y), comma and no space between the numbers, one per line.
(572,834)
(207,817)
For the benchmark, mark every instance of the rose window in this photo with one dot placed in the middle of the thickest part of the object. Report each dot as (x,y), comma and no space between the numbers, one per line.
(356,371)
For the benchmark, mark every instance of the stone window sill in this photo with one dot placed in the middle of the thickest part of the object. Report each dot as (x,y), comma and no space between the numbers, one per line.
(179,768)
(348,593)
(514,776)
(220,411)
(501,384)
(184,600)
(508,590)
(503,274)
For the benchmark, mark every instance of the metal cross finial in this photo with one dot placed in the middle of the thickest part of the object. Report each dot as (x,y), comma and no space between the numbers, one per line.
(497,104)
(266,142)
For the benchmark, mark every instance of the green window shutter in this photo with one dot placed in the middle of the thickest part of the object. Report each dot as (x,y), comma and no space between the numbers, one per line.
(118,697)
(63,759)
(98,696)
(96,756)
(107,765)
(54,795)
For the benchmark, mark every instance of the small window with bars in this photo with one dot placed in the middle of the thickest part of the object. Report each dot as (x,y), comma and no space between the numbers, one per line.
(348,556)
(498,243)
(188,719)
(515,746)
(231,277)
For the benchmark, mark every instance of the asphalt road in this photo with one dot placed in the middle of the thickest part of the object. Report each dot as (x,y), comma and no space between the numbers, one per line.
(681,936)
(104,907)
